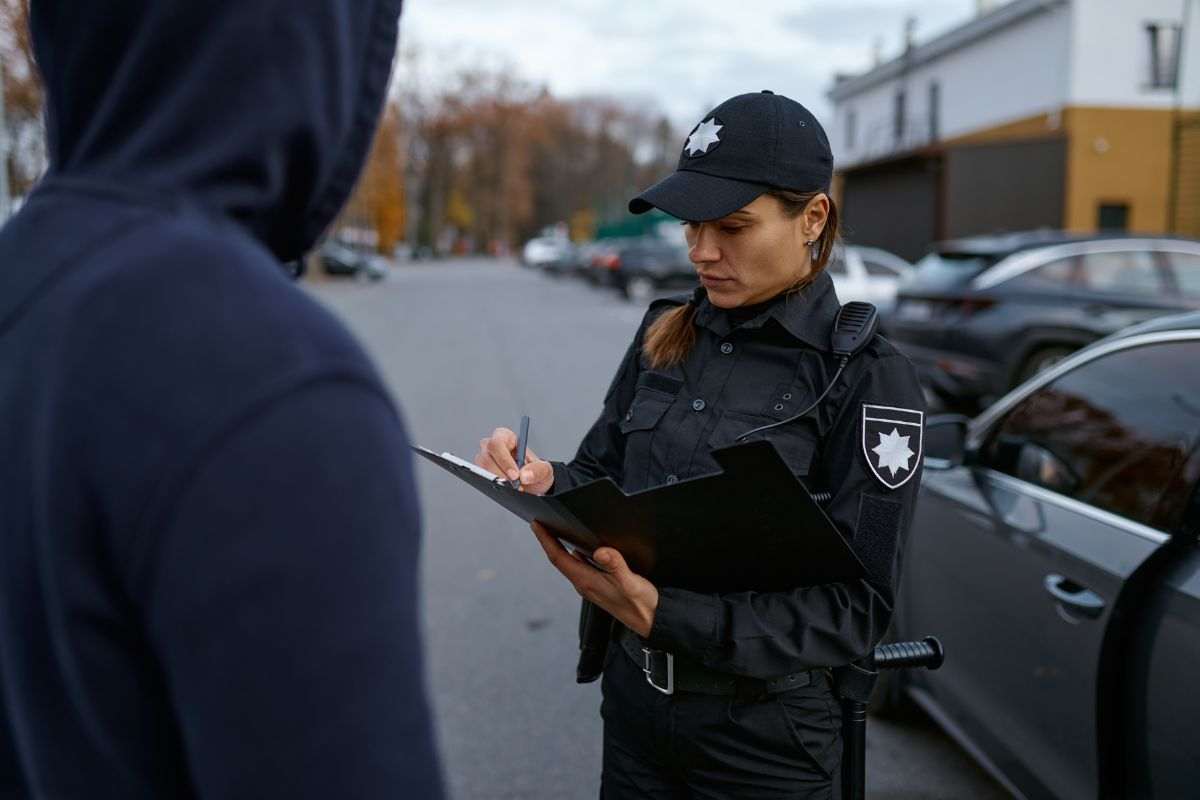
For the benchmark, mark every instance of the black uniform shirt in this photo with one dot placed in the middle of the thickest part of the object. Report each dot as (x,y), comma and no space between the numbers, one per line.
(659,425)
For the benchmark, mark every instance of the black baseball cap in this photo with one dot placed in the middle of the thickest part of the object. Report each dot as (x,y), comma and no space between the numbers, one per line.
(740,149)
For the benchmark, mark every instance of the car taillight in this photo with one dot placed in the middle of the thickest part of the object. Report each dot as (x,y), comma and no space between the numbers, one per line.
(611,261)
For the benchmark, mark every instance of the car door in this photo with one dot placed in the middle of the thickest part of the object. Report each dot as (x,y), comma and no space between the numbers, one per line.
(1162,749)
(1016,560)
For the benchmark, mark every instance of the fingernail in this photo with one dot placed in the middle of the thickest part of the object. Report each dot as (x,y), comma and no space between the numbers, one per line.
(513,474)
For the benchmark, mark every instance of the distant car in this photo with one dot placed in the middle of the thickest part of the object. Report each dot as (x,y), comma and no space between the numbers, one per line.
(867,274)
(981,315)
(640,267)
(602,259)
(548,252)
(1054,552)
(339,259)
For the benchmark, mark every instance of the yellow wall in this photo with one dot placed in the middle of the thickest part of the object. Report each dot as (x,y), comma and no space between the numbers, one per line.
(1118,155)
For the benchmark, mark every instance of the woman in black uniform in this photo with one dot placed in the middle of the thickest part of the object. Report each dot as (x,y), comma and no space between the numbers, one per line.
(752,713)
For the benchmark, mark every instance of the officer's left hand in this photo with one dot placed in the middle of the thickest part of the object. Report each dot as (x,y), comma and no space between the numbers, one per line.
(614,587)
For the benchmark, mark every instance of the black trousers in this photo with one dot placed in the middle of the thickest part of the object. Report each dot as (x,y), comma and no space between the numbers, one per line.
(691,746)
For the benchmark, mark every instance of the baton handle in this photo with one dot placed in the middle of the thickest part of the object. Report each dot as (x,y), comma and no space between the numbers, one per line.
(926,653)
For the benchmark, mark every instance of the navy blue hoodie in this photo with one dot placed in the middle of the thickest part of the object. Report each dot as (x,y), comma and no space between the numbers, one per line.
(208,525)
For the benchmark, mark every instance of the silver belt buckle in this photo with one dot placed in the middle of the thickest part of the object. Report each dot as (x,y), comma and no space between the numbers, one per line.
(648,668)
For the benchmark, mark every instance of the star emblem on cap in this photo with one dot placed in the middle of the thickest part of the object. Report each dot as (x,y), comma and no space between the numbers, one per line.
(704,137)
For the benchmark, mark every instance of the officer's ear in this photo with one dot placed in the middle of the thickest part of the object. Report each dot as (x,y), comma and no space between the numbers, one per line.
(815,216)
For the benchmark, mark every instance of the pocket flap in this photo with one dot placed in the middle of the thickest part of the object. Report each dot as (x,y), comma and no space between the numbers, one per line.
(659,382)
(646,410)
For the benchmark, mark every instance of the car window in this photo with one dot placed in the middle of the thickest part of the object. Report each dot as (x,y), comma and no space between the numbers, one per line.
(1123,272)
(1058,273)
(944,270)
(1114,433)
(1186,269)
(878,269)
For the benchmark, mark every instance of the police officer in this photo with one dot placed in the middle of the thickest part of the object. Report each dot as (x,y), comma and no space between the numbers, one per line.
(730,695)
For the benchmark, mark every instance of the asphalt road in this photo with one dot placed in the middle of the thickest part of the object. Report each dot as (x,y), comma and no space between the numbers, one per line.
(470,345)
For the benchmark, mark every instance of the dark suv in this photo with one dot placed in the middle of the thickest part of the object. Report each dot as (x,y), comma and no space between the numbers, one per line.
(980,315)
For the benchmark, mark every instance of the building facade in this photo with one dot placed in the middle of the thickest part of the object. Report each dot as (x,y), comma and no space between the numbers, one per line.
(1073,114)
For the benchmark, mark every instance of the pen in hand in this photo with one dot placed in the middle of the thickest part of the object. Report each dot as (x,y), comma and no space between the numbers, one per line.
(522,443)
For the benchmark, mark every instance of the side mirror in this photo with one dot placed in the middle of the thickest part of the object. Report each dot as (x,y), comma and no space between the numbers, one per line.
(945,441)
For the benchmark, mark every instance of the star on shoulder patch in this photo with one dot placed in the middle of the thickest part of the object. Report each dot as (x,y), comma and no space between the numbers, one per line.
(891,440)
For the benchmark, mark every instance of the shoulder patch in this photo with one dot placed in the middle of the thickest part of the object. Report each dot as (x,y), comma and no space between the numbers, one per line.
(891,441)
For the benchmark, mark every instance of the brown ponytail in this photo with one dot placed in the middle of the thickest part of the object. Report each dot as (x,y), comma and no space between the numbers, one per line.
(670,337)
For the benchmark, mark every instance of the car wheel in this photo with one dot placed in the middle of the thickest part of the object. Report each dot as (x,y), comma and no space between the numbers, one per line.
(1040,360)
(638,288)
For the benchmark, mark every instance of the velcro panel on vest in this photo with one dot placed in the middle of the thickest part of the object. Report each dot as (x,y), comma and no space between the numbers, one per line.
(876,533)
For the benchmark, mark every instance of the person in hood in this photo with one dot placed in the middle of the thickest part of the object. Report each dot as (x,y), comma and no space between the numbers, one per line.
(208,523)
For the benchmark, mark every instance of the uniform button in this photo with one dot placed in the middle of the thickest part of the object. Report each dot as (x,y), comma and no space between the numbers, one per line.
(697,405)
(787,396)
(672,478)
(779,406)
(628,415)
(726,348)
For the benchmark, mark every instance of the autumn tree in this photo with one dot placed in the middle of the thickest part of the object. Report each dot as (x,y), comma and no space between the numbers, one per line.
(377,203)
(24,132)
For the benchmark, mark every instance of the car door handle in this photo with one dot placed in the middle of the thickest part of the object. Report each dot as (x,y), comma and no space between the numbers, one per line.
(1079,599)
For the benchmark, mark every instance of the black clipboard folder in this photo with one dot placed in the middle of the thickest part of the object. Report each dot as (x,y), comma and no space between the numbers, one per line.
(751,527)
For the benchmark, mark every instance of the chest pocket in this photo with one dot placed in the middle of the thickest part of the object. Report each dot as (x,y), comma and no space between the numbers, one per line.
(654,395)
(795,441)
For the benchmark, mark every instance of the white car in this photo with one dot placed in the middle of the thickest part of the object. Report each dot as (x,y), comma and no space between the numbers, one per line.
(546,251)
(867,274)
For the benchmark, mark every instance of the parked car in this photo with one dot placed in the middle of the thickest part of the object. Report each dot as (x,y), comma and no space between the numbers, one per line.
(868,274)
(981,315)
(643,266)
(1054,551)
(603,257)
(339,259)
(552,253)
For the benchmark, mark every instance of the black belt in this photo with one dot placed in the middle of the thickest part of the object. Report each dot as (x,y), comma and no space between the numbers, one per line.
(669,675)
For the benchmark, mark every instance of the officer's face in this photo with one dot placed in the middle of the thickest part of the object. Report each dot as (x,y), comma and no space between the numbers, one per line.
(752,254)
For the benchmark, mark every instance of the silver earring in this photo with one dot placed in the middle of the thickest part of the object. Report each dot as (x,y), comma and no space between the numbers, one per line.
(812,249)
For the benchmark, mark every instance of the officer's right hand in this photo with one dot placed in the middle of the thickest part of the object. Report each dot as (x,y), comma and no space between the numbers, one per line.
(498,454)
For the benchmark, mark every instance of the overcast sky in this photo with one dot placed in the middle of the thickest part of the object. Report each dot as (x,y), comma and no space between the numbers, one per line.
(684,56)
